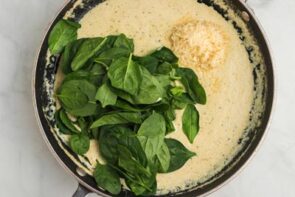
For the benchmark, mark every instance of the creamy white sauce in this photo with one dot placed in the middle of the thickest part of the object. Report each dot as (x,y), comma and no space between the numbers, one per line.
(229,86)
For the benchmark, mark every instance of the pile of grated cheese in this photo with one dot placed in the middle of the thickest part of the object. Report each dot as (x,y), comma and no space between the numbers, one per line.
(199,44)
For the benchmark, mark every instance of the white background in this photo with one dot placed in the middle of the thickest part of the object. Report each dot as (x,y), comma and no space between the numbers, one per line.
(28,169)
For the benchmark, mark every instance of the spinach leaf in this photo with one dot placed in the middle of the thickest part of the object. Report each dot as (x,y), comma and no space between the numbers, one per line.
(190,122)
(123,42)
(67,122)
(160,106)
(68,55)
(72,98)
(109,55)
(109,137)
(169,116)
(130,141)
(124,95)
(149,62)
(97,74)
(143,187)
(192,85)
(88,110)
(151,135)
(129,163)
(163,157)
(77,75)
(150,90)
(170,113)
(165,55)
(83,124)
(95,77)
(125,74)
(125,106)
(174,75)
(89,48)
(177,91)
(62,33)
(164,80)
(178,154)
(165,68)
(140,179)
(117,118)
(107,178)
(169,126)
(112,136)
(75,94)
(111,39)
(180,101)
(78,97)
(97,69)
(62,128)
(80,143)
(106,96)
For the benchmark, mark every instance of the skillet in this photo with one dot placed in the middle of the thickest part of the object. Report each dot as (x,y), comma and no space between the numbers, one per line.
(263,76)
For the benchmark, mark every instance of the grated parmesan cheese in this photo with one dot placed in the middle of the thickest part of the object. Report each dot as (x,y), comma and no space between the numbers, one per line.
(199,44)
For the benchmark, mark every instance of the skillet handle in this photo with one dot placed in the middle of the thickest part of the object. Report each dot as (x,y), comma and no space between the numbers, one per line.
(81,191)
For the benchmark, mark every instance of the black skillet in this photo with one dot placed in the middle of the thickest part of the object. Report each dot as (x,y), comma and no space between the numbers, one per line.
(44,105)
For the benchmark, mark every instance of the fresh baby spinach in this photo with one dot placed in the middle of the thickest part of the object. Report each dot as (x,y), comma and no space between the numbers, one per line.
(192,85)
(107,178)
(127,103)
(150,90)
(164,158)
(108,56)
(105,95)
(88,49)
(165,55)
(75,94)
(178,154)
(118,118)
(126,75)
(149,62)
(123,42)
(67,122)
(190,122)
(151,135)
(64,32)
(68,55)
(61,127)
(80,143)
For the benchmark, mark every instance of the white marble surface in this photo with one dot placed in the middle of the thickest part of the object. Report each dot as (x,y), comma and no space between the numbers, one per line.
(28,169)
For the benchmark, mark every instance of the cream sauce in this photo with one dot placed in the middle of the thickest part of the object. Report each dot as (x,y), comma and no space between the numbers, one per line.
(229,86)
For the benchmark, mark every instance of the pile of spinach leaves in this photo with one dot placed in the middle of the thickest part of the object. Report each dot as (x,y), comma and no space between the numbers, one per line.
(127,103)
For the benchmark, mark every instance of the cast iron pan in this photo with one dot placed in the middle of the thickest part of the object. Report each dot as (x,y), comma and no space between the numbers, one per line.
(46,70)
